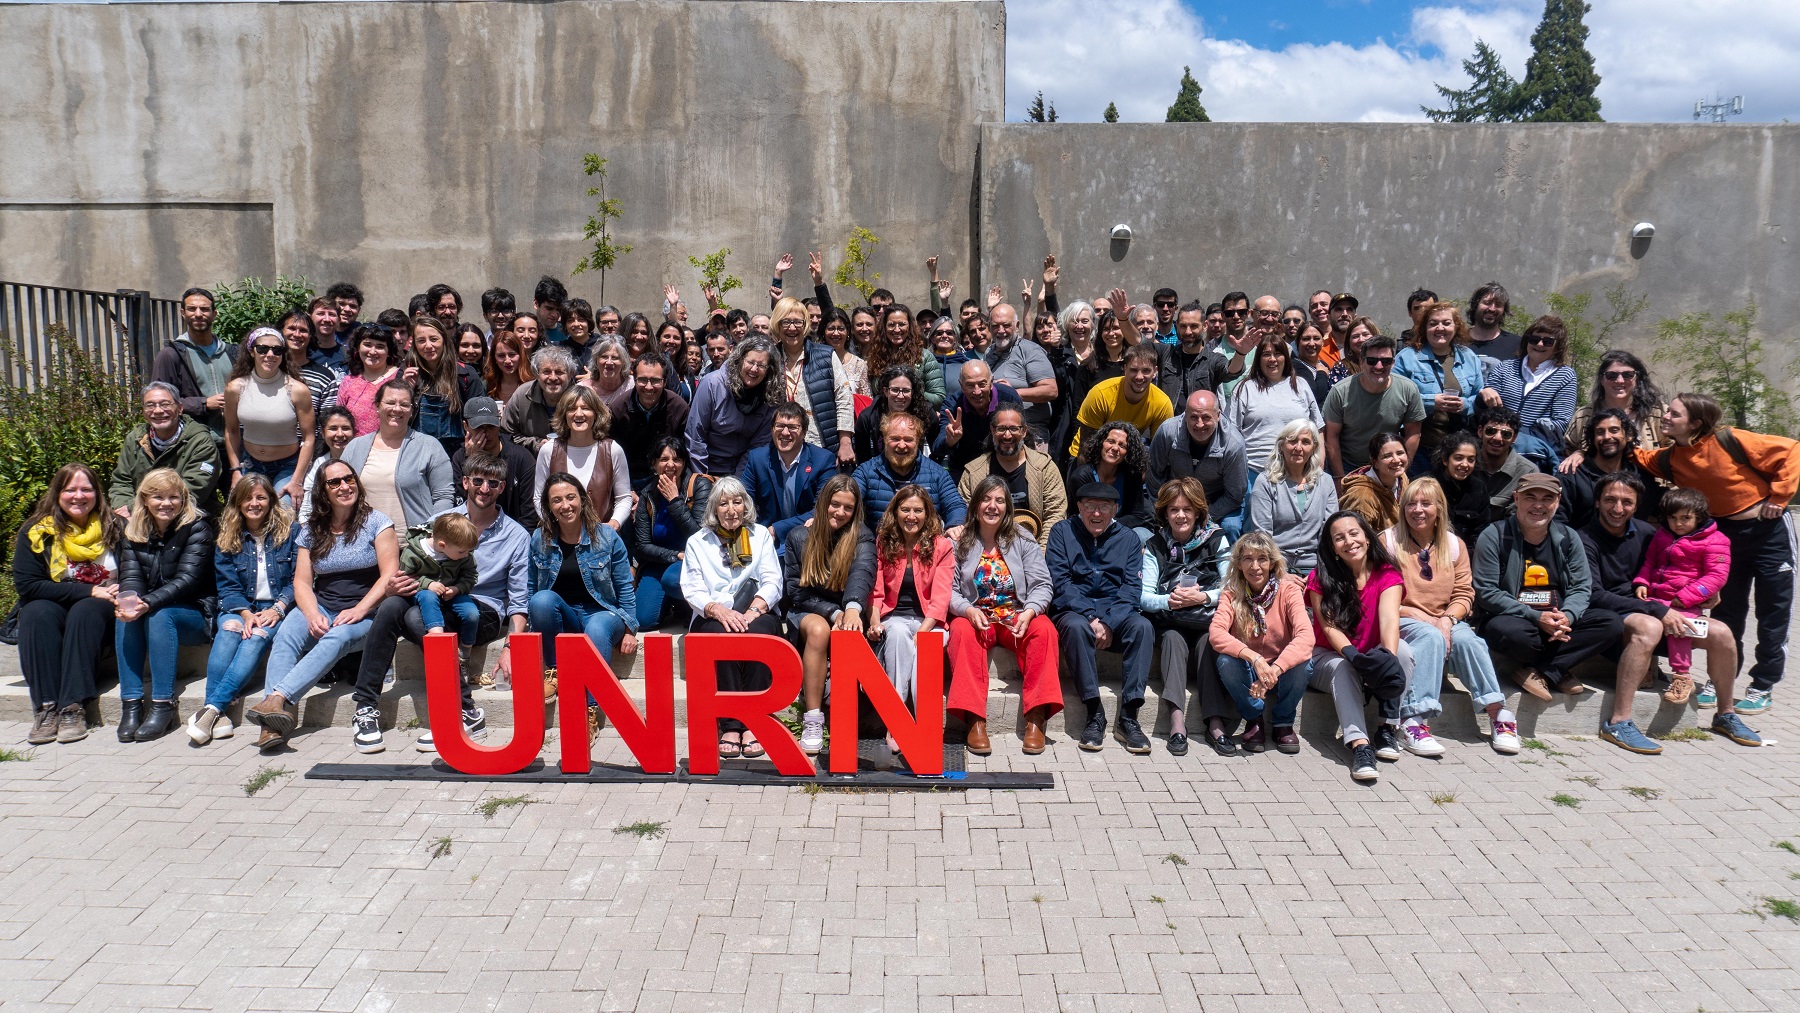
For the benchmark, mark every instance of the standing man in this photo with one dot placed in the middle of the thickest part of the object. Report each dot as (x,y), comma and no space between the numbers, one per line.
(349,300)
(481,435)
(197,363)
(1372,401)
(549,297)
(1096,566)
(1197,446)
(1337,332)
(1189,366)
(1165,302)
(446,305)
(498,307)
(1318,307)
(1487,313)
(1133,398)
(1021,365)
(646,412)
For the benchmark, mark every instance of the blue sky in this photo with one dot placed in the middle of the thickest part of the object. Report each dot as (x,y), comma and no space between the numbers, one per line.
(1280,23)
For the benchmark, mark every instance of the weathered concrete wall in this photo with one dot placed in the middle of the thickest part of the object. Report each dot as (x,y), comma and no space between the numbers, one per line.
(400,144)
(1382,210)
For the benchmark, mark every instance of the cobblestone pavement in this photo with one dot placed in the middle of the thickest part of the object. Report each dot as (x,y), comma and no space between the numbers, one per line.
(146,877)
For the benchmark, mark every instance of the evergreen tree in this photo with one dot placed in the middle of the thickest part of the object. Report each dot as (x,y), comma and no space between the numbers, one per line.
(1187,107)
(1112,113)
(1560,78)
(1050,117)
(1491,97)
(1035,111)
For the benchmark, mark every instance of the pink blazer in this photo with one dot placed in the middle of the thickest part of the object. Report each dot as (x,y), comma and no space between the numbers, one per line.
(932,580)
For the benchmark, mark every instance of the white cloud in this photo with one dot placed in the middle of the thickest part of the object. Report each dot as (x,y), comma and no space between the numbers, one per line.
(1655,58)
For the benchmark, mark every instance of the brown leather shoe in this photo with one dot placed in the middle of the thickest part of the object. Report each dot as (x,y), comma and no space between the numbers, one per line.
(1571,686)
(270,740)
(1032,743)
(1533,682)
(978,738)
(273,713)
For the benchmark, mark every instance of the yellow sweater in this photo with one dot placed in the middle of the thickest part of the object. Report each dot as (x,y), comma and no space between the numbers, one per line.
(1105,403)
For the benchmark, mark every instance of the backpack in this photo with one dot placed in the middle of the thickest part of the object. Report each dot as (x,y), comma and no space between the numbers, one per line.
(1728,440)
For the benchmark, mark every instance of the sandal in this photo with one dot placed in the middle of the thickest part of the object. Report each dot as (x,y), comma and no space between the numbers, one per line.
(752,749)
(730,749)
(1680,689)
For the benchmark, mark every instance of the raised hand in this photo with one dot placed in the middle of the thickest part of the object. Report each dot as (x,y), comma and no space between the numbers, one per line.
(784,264)
(1121,303)
(815,265)
(931,265)
(1051,271)
(994,297)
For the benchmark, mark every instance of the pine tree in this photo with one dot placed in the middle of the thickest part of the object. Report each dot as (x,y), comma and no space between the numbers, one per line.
(1112,113)
(1187,107)
(1035,111)
(1491,97)
(1560,79)
(1051,115)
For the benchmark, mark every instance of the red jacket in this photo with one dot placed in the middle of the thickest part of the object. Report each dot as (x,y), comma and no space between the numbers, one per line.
(932,581)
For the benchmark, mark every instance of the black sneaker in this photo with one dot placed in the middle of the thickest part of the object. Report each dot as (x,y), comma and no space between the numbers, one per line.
(1177,743)
(475,723)
(1093,737)
(367,736)
(1387,744)
(1127,731)
(1362,764)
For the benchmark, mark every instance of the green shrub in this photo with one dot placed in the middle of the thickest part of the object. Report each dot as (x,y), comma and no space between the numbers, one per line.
(80,412)
(1724,358)
(250,304)
(854,271)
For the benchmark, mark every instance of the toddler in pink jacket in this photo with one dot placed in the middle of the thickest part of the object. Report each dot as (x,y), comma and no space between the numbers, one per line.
(1687,563)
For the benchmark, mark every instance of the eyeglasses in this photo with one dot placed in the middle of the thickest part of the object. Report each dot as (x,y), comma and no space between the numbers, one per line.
(1008,430)
(1621,374)
(1237,313)
(900,391)
(333,483)
(269,350)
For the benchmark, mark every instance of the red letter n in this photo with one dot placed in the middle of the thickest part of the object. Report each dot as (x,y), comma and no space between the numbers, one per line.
(854,666)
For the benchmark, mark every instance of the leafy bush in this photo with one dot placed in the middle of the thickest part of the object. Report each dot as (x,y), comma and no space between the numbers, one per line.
(1724,358)
(713,278)
(250,304)
(80,411)
(854,271)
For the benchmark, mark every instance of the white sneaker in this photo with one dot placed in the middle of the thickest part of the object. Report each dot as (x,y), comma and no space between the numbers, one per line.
(1416,736)
(223,728)
(1506,734)
(812,732)
(425,743)
(200,725)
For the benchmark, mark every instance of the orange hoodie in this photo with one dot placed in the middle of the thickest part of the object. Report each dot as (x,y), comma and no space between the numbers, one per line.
(1729,487)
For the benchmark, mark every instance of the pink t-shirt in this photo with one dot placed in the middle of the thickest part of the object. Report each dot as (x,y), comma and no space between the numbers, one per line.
(1368,631)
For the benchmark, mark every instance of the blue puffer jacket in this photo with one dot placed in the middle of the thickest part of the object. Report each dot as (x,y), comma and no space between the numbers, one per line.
(236,573)
(878,482)
(605,570)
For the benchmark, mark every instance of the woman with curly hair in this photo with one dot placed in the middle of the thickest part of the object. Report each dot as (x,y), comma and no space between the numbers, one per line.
(914,572)
(1355,596)
(899,343)
(897,389)
(1116,456)
(1621,381)
(734,405)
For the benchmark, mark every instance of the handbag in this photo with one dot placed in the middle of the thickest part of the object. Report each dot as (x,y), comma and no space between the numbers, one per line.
(9,628)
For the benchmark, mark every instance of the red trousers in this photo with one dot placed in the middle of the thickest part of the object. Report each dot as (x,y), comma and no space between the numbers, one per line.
(1038,661)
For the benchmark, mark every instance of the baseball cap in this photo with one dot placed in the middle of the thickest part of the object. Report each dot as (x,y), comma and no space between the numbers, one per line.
(481,411)
(1539,480)
(1344,297)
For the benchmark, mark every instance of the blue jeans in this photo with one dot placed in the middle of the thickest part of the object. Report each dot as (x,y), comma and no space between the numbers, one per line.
(1283,702)
(279,472)
(654,590)
(161,635)
(1234,525)
(431,613)
(551,615)
(298,660)
(1466,651)
(234,657)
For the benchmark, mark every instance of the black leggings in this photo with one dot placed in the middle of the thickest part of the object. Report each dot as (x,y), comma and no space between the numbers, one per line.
(740,676)
(60,646)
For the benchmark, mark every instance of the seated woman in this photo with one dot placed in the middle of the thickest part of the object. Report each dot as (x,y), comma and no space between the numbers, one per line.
(404,474)
(1116,456)
(1464,484)
(1357,651)
(268,415)
(1184,564)
(580,573)
(253,560)
(827,580)
(1001,593)
(668,514)
(348,552)
(1295,496)
(580,446)
(731,578)
(64,568)
(896,390)
(337,427)
(1262,642)
(913,575)
(1374,489)
(165,578)
(1438,595)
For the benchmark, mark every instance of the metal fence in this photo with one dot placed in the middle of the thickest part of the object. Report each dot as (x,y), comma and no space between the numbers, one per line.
(122,329)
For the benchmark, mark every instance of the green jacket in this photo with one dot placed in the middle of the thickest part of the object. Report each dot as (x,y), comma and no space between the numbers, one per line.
(416,560)
(1499,570)
(195,456)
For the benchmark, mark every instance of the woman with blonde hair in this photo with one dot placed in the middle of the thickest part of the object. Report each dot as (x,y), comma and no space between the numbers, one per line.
(579,445)
(1436,598)
(731,578)
(828,572)
(1295,495)
(165,577)
(253,559)
(1262,642)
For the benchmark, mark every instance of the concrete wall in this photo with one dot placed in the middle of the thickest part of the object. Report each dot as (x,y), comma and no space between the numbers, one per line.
(400,144)
(1381,210)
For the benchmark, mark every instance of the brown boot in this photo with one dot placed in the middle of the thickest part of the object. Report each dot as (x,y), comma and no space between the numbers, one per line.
(272,712)
(978,738)
(1032,742)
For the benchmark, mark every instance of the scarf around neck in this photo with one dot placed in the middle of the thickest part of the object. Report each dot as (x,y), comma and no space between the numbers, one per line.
(734,549)
(80,547)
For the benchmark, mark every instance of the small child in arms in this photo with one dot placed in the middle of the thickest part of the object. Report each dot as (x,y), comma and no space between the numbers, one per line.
(1687,563)
(441,558)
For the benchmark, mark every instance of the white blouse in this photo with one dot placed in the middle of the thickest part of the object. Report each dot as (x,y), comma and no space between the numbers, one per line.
(705,579)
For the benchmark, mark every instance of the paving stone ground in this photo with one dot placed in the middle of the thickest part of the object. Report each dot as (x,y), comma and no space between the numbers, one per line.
(144,877)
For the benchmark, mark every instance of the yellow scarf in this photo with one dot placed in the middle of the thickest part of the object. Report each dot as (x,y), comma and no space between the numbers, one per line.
(84,546)
(734,549)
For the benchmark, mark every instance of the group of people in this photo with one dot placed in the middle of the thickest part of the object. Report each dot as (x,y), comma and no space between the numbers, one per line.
(1254,498)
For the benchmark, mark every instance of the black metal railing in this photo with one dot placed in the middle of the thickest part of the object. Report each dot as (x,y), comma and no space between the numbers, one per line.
(122,329)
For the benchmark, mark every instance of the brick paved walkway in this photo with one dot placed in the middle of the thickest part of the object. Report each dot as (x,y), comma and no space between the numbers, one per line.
(144,876)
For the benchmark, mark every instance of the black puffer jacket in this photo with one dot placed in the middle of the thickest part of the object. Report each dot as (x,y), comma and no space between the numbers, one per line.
(685,511)
(175,568)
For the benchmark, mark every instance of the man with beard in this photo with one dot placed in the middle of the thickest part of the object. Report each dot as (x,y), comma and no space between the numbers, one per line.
(1337,334)
(1496,429)
(1188,366)
(1373,401)
(1238,344)
(1265,319)
(1609,432)
(532,407)
(1021,365)
(1487,312)
(901,464)
(1165,301)
(1131,398)
(1031,477)
(481,435)
(646,412)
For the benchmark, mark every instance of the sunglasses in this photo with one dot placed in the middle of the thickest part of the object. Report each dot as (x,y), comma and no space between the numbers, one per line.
(1540,339)
(1379,363)
(1165,305)
(1621,374)
(486,483)
(1425,563)
(269,350)
(333,483)
(1237,313)
(1505,434)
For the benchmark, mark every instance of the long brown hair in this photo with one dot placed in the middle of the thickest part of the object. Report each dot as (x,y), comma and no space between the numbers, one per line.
(971,532)
(829,555)
(551,528)
(440,379)
(318,518)
(890,543)
(911,351)
(231,521)
(490,370)
(50,505)
(589,397)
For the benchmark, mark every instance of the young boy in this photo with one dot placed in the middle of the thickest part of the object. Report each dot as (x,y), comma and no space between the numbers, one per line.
(441,558)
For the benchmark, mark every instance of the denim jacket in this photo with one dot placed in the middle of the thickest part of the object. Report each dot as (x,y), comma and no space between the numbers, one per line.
(1422,368)
(605,570)
(236,573)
